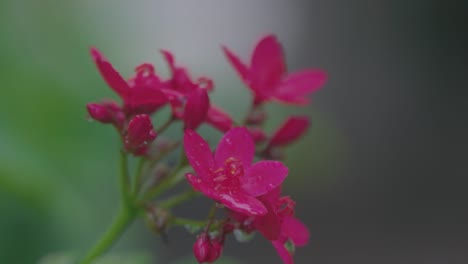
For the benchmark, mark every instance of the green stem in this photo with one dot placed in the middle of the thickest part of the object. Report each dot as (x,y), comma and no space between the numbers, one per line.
(124,178)
(167,182)
(178,199)
(120,223)
(164,126)
(188,222)
(139,176)
(125,217)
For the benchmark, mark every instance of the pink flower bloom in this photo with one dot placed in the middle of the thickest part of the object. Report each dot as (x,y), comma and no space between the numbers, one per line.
(141,94)
(207,250)
(292,129)
(107,112)
(266,75)
(229,176)
(139,134)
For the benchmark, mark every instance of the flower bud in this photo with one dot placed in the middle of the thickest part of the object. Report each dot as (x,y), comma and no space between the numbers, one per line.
(196,108)
(107,112)
(207,250)
(139,134)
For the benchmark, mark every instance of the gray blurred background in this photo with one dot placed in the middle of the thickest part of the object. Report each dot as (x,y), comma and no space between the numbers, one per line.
(380,178)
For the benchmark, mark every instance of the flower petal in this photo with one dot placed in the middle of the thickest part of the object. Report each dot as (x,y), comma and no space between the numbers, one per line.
(296,86)
(242,203)
(296,231)
(201,186)
(144,100)
(109,74)
(238,65)
(236,143)
(269,225)
(218,118)
(198,154)
(263,177)
(267,64)
(293,128)
(196,109)
(283,252)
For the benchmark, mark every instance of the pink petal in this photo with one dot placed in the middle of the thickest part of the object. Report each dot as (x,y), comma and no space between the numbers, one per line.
(272,196)
(263,177)
(144,100)
(284,254)
(236,143)
(238,65)
(267,65)
(292,129)
(269,225)
(201,186)
(296,231)
(242,203)
(100,113)
(109,74)
(218,118)
(296,86)
(196,108)
(199,154)
(169,59)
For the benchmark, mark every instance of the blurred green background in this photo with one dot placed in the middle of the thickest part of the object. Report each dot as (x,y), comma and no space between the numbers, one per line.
(378,179)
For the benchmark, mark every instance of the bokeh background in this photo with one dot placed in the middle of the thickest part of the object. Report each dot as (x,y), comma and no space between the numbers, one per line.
(380,178)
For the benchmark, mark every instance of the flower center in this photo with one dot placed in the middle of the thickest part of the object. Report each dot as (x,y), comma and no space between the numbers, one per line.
(228,175)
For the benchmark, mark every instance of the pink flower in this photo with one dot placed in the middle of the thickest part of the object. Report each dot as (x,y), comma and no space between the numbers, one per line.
(139,134)
(292,129)
(266,75)
(141,94)
(228,176)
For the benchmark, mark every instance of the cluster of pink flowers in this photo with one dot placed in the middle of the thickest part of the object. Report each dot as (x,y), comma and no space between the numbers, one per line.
(242,175)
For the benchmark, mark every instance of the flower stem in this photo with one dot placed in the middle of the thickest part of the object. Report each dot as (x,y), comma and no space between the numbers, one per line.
(178,199)
(166,125)
(127,214)
(120,223)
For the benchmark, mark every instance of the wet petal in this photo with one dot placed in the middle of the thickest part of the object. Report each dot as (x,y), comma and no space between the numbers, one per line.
(238,65)
(199,154)
(109,74)
(236,143)
(263,177)
(242,203)
(296,231)
(283,252)
(201,186)
(292,129)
